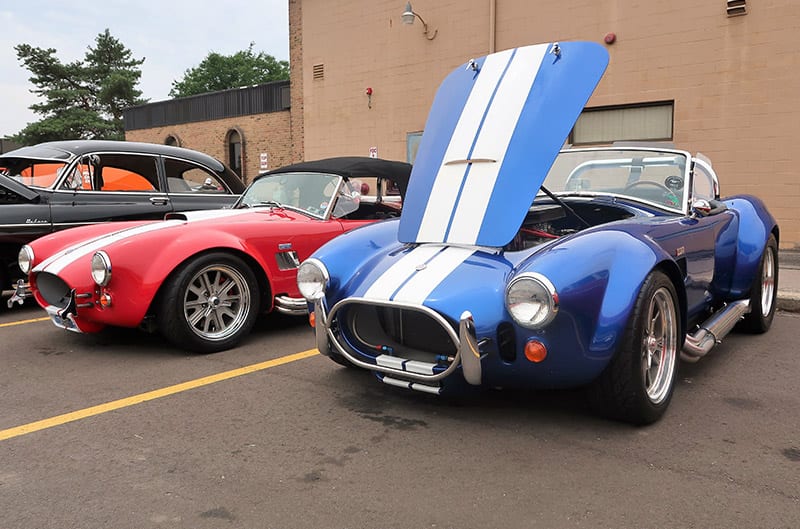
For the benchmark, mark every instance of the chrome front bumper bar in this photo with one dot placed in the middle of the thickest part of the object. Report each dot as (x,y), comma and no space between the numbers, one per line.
(293,306)
(467,355)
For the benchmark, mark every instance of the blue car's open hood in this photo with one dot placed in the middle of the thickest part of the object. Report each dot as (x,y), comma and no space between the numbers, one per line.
(495,128)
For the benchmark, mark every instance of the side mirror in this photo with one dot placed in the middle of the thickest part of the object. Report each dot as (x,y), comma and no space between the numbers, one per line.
(700,207)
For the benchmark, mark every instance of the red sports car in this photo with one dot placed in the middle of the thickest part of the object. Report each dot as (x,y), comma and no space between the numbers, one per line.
(202,277)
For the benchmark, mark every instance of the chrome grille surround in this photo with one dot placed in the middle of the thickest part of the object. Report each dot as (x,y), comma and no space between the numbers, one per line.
(342,328)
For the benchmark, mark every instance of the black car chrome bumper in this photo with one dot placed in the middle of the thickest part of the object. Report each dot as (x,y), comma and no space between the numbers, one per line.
(22,291)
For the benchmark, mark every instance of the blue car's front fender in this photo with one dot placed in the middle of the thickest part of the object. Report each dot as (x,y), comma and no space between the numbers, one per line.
(598,276)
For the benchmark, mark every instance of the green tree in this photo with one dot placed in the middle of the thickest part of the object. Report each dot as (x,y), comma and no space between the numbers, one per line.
(220,72)
(82,99)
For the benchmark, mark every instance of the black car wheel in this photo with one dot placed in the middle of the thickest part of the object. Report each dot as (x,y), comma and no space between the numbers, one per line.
(637,384)
(764,292)
(209,303)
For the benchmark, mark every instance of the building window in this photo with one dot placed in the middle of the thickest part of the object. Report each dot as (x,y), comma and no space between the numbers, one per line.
(412,145)
(235,151)
(644,122)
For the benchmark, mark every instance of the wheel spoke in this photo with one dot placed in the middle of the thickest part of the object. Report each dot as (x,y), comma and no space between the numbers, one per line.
(207,284)
(218,323)
(223,310)
(195,318)
(196,289)
(226,288)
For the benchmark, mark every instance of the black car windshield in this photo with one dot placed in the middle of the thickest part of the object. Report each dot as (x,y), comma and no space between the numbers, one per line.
(310,193)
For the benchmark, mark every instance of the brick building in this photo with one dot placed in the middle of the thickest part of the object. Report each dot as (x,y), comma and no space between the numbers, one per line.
(718,77)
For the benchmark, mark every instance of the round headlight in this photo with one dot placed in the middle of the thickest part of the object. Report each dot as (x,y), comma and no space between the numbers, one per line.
(312,279)
(101,268)
(25,259)
(532,301)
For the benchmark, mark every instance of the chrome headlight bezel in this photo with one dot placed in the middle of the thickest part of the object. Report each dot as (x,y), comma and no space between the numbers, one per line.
(101,268)
(25,259)
(312,279)
(531,300)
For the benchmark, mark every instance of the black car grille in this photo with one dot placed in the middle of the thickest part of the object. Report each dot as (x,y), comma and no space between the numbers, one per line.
(405,332)
(53,289)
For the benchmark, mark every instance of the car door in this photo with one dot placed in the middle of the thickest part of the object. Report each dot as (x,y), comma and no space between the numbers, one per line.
(192,186)
(703,240)
(24,216)
(102,187)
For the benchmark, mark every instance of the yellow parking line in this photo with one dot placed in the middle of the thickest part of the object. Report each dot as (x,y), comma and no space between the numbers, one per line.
(150,395)
(22,322)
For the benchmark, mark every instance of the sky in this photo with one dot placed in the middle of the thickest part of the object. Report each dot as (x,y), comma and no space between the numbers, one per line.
(171,35)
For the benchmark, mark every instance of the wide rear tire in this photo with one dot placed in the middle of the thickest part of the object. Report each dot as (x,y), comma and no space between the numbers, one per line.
(637,385)
(209,304)
(764,292)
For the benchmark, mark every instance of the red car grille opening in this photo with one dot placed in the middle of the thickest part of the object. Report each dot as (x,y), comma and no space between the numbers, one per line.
(53,289)
(402,332)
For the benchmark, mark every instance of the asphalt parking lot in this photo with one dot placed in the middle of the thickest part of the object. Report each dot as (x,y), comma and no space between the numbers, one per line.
(119,430)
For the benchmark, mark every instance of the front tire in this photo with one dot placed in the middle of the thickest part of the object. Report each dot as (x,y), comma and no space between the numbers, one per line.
(637,385)
(764,292)
(209,304)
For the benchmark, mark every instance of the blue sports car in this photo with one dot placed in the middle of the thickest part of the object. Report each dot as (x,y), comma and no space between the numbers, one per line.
(518,264)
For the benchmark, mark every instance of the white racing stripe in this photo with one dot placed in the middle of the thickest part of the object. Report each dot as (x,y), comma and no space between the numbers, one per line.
(391,279)
(495,136)
(504,87)
(437,212)
(58,261)
(423,282)
(418,273)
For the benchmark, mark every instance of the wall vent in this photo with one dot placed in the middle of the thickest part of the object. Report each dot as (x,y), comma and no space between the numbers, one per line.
(737,8)
(319,72)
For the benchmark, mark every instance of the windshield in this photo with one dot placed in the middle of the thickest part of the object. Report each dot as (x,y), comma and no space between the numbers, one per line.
(653,176)
(33,173)
(310,193)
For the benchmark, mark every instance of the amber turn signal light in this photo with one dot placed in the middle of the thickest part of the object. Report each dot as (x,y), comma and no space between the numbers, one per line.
(312,319)
(105,300)
(535,351)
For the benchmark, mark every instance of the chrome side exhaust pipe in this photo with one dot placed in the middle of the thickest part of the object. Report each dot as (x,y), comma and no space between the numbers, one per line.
(713,330)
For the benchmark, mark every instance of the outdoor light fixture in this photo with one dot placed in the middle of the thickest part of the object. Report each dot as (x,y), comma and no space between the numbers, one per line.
(408,18)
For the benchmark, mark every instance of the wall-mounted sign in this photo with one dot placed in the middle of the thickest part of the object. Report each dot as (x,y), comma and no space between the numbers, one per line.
(263,161)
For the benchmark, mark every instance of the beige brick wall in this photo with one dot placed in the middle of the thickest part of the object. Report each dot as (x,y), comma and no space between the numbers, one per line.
(261,133)
(735,81)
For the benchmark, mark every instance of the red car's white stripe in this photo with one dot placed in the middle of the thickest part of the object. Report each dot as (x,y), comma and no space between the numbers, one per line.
(58,261)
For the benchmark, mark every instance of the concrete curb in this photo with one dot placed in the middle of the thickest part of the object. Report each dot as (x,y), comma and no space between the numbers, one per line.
(788,302)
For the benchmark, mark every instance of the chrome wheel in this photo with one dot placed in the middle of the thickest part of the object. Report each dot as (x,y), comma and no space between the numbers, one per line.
(217,302)
(659,346)
(767,281)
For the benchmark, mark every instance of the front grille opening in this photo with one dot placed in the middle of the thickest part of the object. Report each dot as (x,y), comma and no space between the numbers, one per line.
(53,289)
(400,332)
(506,342)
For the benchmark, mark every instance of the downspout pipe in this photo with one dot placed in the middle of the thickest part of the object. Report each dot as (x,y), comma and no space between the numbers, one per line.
(492,25)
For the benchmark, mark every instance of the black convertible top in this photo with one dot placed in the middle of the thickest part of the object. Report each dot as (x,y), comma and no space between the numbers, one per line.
(353,167)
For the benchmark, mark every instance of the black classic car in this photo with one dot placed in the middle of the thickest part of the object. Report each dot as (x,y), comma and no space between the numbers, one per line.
(58,185)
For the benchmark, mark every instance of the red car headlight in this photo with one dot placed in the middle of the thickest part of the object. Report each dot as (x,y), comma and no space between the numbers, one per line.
(101,268)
